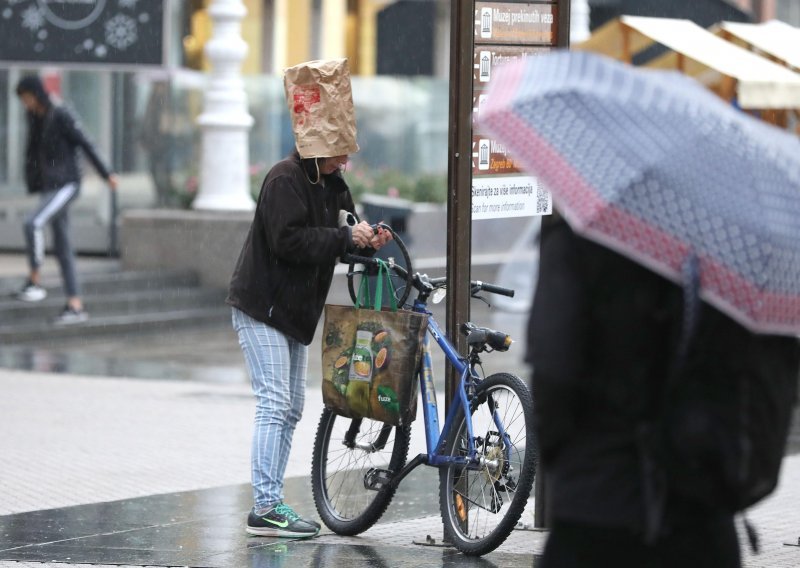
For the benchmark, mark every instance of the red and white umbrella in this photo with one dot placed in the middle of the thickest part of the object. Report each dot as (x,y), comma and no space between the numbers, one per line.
(654,166)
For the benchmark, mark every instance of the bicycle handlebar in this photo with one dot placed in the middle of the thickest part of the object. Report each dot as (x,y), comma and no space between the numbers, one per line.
(493,288)
(475,285)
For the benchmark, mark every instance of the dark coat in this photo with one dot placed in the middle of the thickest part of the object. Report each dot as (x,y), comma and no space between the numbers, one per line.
(602,336)
(51,159)
(286,266)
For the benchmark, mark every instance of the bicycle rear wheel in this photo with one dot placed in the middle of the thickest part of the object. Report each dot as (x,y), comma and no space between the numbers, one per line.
(480,506)
(345,450)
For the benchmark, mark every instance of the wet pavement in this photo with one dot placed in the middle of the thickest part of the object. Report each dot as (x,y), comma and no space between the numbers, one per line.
(205,528)
(109,433)
(134,451)
(208,353)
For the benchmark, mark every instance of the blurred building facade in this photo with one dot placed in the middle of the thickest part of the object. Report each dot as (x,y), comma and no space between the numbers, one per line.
(143,117)
(702,12)
(279,33)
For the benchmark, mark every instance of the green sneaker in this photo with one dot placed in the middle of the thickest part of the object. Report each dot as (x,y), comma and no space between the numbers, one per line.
(280,521)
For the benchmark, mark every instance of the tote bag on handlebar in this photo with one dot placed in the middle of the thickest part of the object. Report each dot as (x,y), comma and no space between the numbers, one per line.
(370,357)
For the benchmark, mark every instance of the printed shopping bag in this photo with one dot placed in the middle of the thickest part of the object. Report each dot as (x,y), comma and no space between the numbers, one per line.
(370,358)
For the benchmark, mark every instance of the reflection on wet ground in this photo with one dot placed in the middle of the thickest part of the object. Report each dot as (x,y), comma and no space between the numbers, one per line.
(208,354)
(211,354)
(206,528)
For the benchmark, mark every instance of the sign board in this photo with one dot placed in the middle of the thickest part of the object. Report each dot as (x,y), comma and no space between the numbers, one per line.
(509,196)
(488,57)
(105,32)
(507,22)
(505,32)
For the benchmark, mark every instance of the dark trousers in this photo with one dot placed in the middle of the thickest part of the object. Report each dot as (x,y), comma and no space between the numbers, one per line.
(698,541)
(53,209)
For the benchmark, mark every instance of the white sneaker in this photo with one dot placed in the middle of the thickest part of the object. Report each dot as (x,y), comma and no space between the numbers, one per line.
(32,293)
(71,316)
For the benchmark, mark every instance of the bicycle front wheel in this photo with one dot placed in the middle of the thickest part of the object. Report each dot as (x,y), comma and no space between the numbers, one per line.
(480,505)
(345,452)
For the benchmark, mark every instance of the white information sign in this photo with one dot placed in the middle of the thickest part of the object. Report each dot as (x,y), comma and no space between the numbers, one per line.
(498,197)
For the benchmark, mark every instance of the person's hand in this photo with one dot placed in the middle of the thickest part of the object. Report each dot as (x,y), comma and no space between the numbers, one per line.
(113,182)
(380,238)
(362,234)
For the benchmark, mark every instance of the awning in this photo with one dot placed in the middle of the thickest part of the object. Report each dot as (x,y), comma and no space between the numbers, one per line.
(776,39)
(730,70)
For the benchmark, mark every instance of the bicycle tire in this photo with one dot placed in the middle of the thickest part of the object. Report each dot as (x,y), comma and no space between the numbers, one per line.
(402,292)
(343,503)
(467,496)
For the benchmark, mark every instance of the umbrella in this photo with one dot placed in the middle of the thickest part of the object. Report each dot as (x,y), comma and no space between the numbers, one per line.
(652,165)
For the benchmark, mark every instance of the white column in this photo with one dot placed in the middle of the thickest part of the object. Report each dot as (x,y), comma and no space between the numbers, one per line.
(225,121)
(579,21)
(333,30)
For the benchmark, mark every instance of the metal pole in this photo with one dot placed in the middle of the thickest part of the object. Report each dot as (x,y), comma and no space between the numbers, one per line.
(113,246)
(459,171)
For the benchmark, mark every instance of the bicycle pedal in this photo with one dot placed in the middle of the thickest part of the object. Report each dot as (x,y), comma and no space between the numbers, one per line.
(376,479)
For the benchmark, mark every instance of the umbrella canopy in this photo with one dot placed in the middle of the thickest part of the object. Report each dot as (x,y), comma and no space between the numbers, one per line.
(652,165)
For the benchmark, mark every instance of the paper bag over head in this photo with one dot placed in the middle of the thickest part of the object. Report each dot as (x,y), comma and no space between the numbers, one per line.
(320,101)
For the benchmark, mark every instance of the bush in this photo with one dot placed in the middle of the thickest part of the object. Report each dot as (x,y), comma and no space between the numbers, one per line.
(394,183)
(430,188)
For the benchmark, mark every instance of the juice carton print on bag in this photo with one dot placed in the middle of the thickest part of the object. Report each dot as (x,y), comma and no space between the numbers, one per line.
(360,377)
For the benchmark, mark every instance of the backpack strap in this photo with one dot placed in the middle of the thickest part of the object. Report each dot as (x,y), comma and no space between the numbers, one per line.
(690,276)
(649,437)
(655,486)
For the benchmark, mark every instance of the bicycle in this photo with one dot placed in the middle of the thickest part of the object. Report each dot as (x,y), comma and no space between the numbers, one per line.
(486,450)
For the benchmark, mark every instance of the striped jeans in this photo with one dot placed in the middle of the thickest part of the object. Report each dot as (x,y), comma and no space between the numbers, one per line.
(53,208)
(277,367)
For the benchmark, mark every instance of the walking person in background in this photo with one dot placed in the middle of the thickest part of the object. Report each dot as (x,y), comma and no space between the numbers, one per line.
(51,170)
(282,278)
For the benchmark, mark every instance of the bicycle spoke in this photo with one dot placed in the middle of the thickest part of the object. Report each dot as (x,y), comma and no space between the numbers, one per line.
(486,501)
(338,482)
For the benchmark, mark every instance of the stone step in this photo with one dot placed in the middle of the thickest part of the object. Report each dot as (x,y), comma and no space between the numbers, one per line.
(29,331)
(13,311)
(117,301)
(110,282)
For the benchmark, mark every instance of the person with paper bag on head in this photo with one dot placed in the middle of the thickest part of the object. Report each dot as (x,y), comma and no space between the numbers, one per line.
(284,271)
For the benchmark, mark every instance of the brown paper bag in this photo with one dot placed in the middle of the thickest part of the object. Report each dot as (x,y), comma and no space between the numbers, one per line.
(369,363)
(320,101)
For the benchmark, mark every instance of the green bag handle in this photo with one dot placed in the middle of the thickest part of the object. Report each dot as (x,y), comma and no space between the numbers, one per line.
(363,298)
(363,293)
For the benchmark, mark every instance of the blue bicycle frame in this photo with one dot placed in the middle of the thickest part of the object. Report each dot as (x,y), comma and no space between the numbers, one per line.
(435,437)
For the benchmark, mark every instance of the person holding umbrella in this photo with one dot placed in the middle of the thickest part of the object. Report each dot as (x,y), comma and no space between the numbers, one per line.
(602,340)
(652,405)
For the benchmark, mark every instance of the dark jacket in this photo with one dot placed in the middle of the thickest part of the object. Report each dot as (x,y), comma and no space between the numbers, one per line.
(286,266)
(51,159)
(602,337)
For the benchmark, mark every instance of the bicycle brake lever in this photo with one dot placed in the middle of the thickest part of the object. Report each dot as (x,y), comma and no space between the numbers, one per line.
(482,299)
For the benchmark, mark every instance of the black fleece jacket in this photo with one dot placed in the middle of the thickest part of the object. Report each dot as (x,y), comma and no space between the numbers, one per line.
(51,156)
(286,265)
